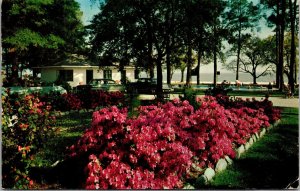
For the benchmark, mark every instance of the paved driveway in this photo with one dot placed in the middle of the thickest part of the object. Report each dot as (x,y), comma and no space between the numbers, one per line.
(277,101)
(280,101)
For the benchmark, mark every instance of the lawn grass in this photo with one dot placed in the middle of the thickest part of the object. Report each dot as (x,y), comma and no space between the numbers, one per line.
(271,163)
(69,128)
(50,168)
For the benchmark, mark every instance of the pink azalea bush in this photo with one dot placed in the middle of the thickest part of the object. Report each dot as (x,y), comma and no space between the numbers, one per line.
(266,105)
(157,148)
(84,100)
(100,98)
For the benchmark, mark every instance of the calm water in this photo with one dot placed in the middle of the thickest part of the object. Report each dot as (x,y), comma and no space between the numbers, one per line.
(208,77)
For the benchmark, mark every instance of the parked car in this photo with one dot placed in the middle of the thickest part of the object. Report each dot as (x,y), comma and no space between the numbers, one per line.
(102,84)
(147,86)
(28,90)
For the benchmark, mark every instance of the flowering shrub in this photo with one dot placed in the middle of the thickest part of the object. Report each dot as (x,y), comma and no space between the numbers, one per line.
(62,102)
(100,98)
(84,100)
(26,125)
(128,156)
(71,102)
(266,105)
(157,148)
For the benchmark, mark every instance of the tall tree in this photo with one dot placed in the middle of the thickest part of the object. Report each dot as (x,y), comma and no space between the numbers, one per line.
(31,32)
(241,15)
(292,17)
(278,18)
(253,58)
(288,61)
(217,33)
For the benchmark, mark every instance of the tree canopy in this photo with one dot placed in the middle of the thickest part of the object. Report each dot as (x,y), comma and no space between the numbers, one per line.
(151,34)
(39,32)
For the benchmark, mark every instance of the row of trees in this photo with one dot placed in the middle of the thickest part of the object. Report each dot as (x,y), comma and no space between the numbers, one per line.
(155,33)
(284,14)
(175,34)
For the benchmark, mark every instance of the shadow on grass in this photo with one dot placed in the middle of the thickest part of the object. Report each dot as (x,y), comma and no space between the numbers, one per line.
(271,163)
(67,174)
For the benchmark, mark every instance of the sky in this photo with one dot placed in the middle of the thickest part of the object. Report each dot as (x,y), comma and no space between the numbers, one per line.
(89,9)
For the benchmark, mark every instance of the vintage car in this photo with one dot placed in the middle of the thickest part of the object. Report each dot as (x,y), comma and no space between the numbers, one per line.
(147,86)
(102,84)
(28,90)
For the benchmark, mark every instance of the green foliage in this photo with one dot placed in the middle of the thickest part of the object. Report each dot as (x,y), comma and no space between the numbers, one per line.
(190,96)
(26,126)
(153,32)
(64,84)
(24,38)
(38,32)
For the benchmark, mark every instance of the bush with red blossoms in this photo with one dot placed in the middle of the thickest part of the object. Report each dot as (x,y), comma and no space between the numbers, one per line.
(84,100)
(266,105)
(100,98)
(157,148)
(27,123)
(129,153)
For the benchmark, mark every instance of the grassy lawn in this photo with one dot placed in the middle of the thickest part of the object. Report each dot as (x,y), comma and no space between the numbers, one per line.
(69,128)
(61,176)
(271,163)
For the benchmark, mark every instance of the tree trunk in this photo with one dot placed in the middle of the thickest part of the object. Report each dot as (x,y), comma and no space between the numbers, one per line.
(215,57)
(254,78)
(238,55)
(281,44)
(277,44)
(189,60)
(15,67)
(159,77)
(215,67)
(170,43)
(295,73)
(198,67)
(277,55)
(149,51)
(168,62)
(239,45)
(293,48)
(182,75)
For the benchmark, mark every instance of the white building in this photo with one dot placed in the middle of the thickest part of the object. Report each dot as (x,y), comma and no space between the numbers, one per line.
(78,71)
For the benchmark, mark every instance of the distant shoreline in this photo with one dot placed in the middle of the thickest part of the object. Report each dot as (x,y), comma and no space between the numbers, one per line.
(263,84)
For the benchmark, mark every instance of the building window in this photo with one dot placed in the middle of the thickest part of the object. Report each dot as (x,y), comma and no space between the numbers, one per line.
(107,74)
(65,75)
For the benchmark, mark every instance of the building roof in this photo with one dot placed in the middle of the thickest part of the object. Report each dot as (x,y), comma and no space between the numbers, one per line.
(71,62)
(77,61)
